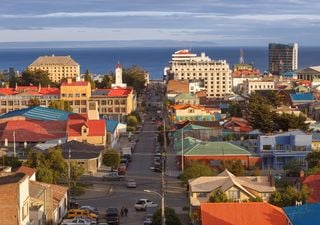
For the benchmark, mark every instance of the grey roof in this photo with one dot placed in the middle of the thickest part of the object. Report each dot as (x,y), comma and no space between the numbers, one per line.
(10,178)
(54,60)
(80,150)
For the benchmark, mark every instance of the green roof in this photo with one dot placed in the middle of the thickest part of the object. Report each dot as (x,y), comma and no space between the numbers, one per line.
(186,96)
(197,147)
(187,128)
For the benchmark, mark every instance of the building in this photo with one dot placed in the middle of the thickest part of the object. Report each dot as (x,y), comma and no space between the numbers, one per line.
(175,87)
(250,86)
(282,58)
(20,97)
(276,150)
(303,214)
(186,99)
(115,103)
(14,199)
(309,73)
(228,213)
(242,72)
(237,124)
(215,75)
(58,67)
(118,77)
(213,153)
(77,93)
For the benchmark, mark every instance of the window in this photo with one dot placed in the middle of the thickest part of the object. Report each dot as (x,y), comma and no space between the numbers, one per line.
(203,194)
(191,111)
(234,194)
(266,147)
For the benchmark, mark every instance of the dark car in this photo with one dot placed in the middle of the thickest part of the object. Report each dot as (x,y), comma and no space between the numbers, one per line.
(112,216)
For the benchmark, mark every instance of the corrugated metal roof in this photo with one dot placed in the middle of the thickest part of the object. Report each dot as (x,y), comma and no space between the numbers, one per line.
(38,113)
(303,214)
(111,125)
(302,97)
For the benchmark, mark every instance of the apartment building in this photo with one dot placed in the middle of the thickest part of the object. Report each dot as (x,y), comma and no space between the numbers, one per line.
(250,86)
(282,58)
(20,97)
(77,93)
(216,75)
(58,67)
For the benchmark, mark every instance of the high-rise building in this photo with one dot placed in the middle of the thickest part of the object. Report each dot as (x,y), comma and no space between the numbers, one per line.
(58,67)
(282,58)
(215,74)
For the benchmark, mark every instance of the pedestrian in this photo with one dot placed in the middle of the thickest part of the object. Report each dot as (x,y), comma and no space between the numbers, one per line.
(125,211)
(122,211)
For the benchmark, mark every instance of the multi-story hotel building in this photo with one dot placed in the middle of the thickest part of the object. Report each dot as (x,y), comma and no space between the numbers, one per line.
(58,67)
(282,58)
(216,75)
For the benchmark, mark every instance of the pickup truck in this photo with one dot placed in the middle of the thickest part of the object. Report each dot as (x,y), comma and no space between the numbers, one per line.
(76,221)
(113,176)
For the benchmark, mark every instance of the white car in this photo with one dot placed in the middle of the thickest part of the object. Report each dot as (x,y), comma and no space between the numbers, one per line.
(76,221)
(131,183)
(142,203)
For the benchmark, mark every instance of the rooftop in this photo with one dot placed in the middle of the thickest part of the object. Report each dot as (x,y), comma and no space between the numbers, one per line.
(54,60)
(303,214)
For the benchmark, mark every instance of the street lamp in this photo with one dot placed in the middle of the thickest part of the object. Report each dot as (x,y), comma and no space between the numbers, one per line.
(163,218)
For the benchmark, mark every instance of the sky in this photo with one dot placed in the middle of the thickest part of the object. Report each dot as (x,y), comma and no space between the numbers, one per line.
(220,22)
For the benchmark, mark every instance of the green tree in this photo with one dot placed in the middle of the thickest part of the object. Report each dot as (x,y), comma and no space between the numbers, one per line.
(134,77)
(234,167)
(161,136)
(61,105)
(35,159)
(289,195)
(56,163)
(132,123)
(196,169)
(287,121)
(106,82)
(32,77)
(33,102)
(171,217)
(313,159)
(11,161)
(45,174)
(218,196)
(259,113)
(88,77)
(235,109)
(111,158)
(293,167)
(76,171)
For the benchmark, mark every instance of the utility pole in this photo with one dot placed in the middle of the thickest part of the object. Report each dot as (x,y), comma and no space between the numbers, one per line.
(14,144)
(182,157)
(164,153)
(69,172)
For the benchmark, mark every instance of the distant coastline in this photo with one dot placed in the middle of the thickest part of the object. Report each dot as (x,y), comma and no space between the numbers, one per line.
(102,60)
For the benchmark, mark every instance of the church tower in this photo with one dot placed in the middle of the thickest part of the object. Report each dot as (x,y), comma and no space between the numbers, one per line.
(118,77)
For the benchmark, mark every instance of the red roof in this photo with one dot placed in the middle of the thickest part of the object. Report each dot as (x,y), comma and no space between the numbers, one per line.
(313,182)
(117,92)
(76,121)
(183,52)
(31,90)
(238,124)
(242,214)
(75,83)
(33,130)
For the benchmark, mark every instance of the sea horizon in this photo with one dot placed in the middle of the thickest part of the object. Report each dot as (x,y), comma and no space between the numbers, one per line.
(102,60)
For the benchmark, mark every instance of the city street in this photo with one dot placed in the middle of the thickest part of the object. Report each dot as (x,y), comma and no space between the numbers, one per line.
(104,194)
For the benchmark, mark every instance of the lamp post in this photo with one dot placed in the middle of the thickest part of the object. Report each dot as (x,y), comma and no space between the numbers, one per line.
(163,218)
(182,158)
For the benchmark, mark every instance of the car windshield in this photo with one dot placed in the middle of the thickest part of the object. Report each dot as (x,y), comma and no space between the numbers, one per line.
(140,202)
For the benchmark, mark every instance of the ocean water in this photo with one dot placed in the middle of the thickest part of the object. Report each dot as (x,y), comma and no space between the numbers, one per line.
(153,60)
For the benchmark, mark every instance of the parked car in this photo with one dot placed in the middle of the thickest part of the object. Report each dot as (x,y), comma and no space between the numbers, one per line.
(112,216)
(147,222)
(91,209)
(156,169)
(112,176)
(76,221)
(142,203)
(124,161)
(131,183)
(72,213)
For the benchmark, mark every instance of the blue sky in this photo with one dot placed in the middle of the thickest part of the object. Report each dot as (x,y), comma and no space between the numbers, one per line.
(220,22)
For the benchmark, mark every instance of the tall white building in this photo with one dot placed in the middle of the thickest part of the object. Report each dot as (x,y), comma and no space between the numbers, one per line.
(216,75)
(118,77)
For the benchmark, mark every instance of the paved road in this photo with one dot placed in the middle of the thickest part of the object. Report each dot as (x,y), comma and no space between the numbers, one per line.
(104,194)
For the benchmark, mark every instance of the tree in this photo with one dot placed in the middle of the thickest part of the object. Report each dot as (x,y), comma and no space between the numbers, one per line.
(218,196)
(161,136)
(287,121)
(56,163)
(87,77)
(111,158)
(259,113)
(235,109)
(170,215)
(11,161)
(196,169)
(61,105)
(35,77)
(289,195)
(134,77)
(313,159)
(106,82)
(234,167)
(76,171)
(293,168)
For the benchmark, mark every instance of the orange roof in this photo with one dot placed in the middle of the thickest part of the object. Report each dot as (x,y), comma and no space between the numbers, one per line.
(242,214)
(32,90)
(313,182)
(58,193)
(26,170)
(178,86)
(75,83)
(76,121)
(119,92)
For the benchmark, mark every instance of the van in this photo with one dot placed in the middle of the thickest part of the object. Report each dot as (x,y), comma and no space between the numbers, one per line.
(80,212)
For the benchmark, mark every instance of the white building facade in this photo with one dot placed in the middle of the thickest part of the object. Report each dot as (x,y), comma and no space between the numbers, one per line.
(216,75)
(250,86)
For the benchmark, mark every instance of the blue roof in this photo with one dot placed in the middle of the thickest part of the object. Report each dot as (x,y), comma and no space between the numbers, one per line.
(304,214)
(111,125)
(38,113)
(302,97)
(288,74)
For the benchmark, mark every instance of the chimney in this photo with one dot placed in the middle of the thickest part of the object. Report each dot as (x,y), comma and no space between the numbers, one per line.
(16,88)
(69,80)
(39,88)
